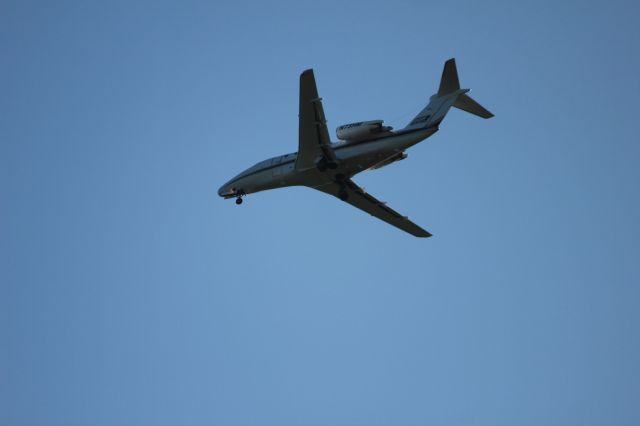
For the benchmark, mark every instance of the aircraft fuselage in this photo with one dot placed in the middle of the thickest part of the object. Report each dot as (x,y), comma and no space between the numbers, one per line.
(353,158)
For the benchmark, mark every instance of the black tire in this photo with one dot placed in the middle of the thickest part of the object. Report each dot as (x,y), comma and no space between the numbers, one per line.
(322,165)
(239,200)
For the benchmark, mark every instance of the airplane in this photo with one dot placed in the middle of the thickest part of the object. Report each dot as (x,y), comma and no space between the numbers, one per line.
(365,145)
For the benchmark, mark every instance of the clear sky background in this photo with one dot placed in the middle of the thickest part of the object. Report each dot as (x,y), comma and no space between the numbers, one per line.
(131,294)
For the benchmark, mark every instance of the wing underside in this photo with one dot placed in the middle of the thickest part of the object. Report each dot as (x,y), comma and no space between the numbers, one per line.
(313,135)
(358,198)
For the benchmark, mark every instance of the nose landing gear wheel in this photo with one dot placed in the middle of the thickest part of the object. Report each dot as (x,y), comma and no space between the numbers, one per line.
(239,200)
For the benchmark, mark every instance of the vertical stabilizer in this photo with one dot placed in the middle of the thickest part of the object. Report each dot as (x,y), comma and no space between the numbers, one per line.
(449,82)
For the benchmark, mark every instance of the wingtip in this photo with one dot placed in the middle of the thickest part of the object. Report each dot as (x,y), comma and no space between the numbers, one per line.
(423,234)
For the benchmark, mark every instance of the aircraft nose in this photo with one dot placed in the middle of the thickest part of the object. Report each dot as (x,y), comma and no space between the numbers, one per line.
(226,190)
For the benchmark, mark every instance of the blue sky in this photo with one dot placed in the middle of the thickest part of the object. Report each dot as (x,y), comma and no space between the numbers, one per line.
(130,294)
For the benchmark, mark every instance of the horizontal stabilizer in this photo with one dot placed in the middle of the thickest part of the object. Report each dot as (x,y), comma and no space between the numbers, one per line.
(466,103)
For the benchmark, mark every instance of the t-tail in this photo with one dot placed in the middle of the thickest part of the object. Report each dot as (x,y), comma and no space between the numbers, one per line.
(449,95)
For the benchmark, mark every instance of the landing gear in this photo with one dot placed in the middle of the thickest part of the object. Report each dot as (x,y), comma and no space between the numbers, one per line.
(324,164)
(239,200)
(340,180)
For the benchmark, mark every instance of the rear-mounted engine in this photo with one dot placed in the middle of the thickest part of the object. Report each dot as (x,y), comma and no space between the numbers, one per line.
(363,130)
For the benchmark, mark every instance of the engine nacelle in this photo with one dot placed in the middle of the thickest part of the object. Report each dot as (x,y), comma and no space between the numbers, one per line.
(362,130)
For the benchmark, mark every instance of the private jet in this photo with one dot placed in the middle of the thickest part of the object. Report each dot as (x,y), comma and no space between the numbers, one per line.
(366,145)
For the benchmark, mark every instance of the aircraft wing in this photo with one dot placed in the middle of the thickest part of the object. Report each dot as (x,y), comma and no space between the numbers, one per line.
(313,136)
(357,197)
